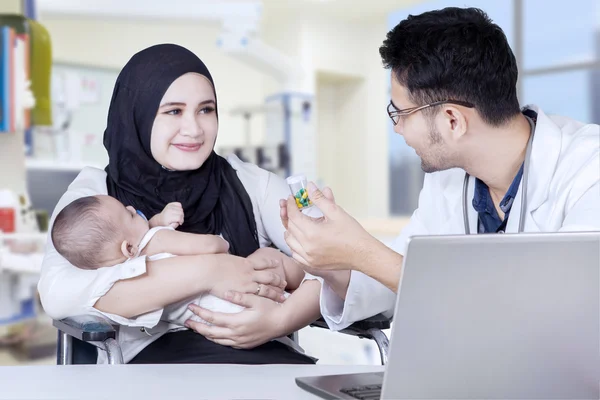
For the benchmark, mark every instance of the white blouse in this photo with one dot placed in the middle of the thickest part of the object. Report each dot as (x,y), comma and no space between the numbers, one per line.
(66,290)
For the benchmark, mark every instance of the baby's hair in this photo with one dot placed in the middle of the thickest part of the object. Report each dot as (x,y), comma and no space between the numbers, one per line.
(80,233)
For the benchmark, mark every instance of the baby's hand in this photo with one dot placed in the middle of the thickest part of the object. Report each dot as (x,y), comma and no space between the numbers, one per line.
(171,216)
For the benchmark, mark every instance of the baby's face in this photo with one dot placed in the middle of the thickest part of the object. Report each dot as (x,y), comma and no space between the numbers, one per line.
(132,225)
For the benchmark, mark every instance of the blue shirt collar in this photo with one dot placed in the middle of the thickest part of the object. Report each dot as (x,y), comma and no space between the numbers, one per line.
(482,200)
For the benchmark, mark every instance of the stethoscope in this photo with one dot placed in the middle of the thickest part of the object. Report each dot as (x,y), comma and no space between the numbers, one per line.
(523,187)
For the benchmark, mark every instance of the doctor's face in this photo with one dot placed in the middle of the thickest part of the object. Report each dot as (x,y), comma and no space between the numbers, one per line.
(418,129)
(186,125)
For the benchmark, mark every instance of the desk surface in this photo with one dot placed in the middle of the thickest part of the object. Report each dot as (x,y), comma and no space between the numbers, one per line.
(163,381)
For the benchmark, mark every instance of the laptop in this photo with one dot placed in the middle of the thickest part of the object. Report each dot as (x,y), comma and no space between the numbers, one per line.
(489,317)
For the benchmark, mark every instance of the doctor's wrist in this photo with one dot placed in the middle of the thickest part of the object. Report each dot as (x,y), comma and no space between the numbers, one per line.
(366,254)
(382,264)
(338,281)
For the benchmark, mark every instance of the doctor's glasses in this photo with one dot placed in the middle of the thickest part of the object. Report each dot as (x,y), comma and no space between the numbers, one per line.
(395,114)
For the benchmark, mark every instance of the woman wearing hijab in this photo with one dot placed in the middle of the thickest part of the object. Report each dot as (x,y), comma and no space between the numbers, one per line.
(161,129)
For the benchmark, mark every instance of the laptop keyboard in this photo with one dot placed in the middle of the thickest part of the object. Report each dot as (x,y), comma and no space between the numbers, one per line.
(369,392)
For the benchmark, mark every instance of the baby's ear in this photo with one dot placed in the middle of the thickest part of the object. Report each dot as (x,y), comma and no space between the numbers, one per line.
(128,249)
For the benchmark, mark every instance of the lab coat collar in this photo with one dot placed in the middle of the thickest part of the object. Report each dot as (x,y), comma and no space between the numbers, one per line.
(544,157)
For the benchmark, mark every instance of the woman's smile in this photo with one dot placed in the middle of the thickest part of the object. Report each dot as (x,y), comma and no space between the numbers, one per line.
(188,147)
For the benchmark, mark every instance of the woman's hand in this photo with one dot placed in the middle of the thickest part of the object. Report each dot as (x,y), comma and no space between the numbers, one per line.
(256,275)
(261,321)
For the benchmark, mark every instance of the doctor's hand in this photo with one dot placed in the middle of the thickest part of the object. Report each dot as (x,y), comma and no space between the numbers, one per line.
(332,242)
(258,323)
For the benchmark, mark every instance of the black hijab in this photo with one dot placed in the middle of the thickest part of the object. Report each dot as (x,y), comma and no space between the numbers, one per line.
(213,198)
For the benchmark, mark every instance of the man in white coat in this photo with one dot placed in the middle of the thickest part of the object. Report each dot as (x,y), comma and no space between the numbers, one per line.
(454,101)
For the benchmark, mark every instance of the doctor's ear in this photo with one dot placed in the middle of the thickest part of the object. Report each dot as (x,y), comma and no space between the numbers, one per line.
(129,250)
(455,122)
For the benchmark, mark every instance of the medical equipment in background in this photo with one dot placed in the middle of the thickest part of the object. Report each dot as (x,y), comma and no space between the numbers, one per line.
(272,156)
(288,144)
(290,119)
(21,256)
(26,62)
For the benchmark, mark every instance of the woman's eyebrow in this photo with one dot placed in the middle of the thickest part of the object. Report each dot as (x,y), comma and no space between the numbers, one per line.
(172,103)
(180,104)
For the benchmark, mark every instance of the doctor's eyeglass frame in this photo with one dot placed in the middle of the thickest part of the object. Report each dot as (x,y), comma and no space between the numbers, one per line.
(397,114)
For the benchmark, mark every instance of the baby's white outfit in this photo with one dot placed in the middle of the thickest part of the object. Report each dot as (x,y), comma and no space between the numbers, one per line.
(178,313)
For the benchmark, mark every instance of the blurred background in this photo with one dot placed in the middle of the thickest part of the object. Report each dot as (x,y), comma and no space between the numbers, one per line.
(301,90)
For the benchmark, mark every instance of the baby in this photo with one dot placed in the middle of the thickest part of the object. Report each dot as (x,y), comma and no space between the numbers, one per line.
(98,231)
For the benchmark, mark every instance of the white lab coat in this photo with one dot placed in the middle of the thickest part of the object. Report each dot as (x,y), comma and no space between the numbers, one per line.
(563,195)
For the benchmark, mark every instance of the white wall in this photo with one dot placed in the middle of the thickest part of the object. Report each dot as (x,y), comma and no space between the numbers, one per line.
(110,44)
(340,159)
(10,6)
(328,133)
(375,134)
(336,46)
(351,95)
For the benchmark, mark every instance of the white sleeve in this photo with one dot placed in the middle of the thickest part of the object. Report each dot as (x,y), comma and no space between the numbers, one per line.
(66,290)
(585,213)
(365,296)
(582,210)
(272,189)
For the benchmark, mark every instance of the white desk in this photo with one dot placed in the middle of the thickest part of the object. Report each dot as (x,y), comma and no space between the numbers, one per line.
(163,381)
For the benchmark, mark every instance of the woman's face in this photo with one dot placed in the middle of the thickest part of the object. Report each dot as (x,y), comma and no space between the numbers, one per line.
(185,127)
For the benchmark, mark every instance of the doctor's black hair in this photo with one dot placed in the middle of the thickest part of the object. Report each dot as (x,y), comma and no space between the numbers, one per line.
(455,54)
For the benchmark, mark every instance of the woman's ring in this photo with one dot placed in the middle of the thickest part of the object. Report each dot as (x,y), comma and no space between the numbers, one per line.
(258,289)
